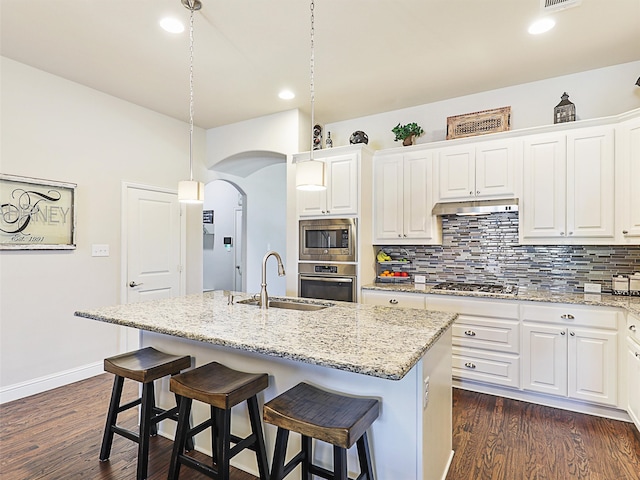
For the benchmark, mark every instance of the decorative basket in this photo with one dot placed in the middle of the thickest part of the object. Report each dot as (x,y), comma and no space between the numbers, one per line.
(478,123)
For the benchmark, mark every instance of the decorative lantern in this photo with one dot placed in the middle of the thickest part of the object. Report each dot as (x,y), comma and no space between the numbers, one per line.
(565,111)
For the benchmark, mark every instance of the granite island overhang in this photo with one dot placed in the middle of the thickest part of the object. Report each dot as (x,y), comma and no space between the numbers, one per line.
(401,356)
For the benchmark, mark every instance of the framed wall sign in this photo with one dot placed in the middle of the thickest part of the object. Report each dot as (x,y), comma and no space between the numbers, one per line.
(36,214)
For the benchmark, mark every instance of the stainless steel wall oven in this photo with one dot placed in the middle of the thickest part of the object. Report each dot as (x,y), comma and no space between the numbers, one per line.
(328,240)
(327,281)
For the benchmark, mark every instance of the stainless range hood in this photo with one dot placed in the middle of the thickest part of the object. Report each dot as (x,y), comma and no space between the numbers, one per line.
(476,207)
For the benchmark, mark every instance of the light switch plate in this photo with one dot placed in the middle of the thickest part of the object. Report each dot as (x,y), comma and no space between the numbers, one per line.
(420,278)
(592,288)
(99,250)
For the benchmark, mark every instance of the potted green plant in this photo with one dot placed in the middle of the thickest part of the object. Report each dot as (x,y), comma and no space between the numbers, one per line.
(407,133)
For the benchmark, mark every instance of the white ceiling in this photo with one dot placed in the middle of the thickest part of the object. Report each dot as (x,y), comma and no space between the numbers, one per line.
(371,55)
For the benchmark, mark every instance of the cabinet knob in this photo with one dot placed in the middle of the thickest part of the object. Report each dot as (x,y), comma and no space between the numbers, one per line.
(470,333)
(323,211)
(573,334)
(567,316)
(624,232)
(393,301)
(478,192)
(471,365)
(637,355)
(570,233)
(562,234)
(328,211)
(405,235)
(399,235)
(471,192)
(632,328)
(563,332)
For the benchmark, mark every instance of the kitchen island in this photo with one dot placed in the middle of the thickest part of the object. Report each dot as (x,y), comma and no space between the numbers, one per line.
(390,354)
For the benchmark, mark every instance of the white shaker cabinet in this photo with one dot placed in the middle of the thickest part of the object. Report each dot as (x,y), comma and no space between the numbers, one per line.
(571,351)
(403,199)
(568,187)
(483,170)
(628,181)
(633,369)
(486,339)
(342,170)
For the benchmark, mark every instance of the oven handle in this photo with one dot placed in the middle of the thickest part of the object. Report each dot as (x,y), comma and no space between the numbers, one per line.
(327,279)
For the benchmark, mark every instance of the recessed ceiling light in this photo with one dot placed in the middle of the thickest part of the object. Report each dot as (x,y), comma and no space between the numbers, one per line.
(541,26)
(286,95)
(172,25)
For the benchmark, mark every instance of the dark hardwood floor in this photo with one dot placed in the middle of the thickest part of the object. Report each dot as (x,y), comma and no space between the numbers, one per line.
(57,434)
(500,439)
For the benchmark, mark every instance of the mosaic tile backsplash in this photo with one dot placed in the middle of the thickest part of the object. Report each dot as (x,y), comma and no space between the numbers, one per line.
(485,249)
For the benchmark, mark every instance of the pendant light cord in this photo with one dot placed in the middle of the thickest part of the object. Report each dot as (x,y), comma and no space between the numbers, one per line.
(312,87)
(191,93)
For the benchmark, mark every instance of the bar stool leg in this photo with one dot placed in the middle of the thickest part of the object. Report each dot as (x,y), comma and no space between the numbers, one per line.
(112,415)
(307,456)
(364,457)
(280,450)
(145,429)
(339,463)
(182,431)
(223,441)
(256,428)
(189,446)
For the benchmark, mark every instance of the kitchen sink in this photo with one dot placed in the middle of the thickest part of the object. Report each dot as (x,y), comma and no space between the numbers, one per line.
(289,304)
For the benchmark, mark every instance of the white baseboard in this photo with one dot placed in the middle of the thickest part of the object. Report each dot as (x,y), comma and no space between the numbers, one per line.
(48,382)
(446,470)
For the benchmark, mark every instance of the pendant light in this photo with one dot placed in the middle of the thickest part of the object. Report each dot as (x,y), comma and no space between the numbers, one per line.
(191,191)
(310,173)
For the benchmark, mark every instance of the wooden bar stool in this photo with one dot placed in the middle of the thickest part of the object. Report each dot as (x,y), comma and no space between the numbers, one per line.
(222,388)
(335,419)
(144,366)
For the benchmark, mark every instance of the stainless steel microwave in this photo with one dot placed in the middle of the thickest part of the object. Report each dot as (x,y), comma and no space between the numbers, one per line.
(328,239)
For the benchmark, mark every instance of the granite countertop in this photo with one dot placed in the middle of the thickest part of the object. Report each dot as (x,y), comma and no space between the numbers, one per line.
(379,341)
(628,303)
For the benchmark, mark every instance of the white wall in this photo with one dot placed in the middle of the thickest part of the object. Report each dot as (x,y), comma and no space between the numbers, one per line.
(218,262)
(596,93)
(59,130)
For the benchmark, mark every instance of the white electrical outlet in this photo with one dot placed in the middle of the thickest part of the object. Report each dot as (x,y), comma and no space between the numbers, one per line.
(420,278)
(425,399)
(99,250)
(592,288)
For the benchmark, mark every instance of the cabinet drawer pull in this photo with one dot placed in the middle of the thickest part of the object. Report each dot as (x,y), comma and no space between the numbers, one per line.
(624,232)
(471,365)
(632,328)
(470,333)
(567,316)
(393,301)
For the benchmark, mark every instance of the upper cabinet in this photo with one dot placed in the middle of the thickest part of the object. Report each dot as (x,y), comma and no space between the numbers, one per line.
(568,187)
(342,195)
(403,199)
(628,181)
(484,170)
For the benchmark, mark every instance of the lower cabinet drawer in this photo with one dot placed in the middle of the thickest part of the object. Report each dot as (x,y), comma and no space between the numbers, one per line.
(489,367)
(487,333)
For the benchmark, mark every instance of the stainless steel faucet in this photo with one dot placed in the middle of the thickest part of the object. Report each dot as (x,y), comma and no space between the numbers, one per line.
(264,297)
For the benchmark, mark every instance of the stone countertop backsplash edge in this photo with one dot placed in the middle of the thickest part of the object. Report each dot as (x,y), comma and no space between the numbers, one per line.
(629,303)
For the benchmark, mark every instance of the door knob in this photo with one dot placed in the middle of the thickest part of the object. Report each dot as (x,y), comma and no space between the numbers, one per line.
(133,284)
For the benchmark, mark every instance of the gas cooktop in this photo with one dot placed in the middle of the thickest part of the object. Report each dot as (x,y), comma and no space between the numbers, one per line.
(480,288)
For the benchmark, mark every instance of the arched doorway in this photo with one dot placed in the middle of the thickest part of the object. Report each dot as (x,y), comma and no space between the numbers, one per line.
(249,203)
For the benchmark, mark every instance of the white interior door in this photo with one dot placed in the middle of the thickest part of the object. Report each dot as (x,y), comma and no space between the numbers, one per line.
(152,252)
